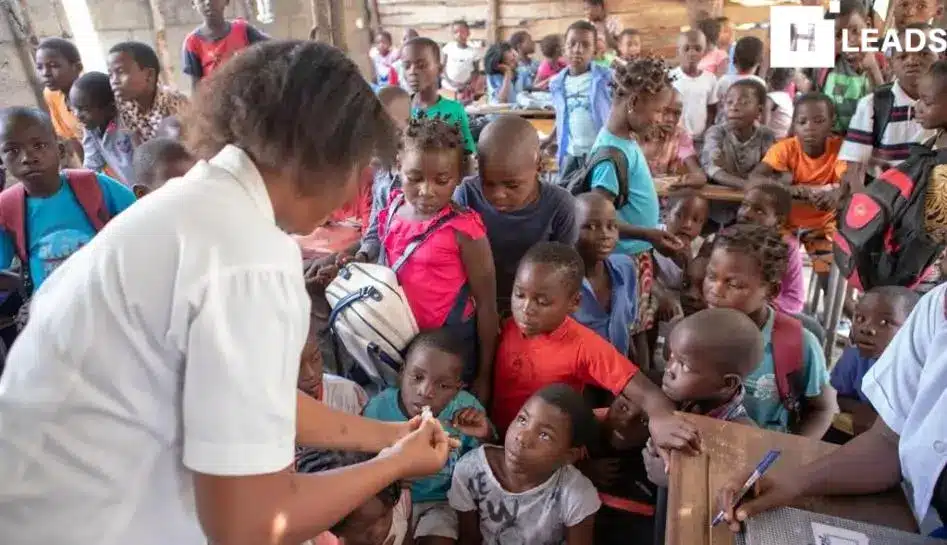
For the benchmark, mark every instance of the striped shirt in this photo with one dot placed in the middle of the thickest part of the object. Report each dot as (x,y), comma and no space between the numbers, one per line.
(902,129)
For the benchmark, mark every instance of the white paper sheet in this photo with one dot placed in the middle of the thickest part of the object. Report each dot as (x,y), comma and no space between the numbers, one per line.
(830,535)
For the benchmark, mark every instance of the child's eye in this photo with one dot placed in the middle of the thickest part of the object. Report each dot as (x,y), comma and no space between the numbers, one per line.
(40,145)
(544,436)
(885,322)
(520,419)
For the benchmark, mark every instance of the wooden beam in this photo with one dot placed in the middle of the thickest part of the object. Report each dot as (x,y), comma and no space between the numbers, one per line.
(161,43)
(25,40)
(493,14)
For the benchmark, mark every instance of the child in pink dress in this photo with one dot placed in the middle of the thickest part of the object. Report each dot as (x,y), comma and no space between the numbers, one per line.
(439,249)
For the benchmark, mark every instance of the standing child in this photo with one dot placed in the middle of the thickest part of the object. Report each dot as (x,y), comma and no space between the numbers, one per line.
(629,45)
(527,66)
(432,378)
(788,391)
(449,279)
(581,98)
(216,40)
(695,84)
(108,147)
(142,101)
(517,208)
(58,64)
(422,67)
(747,57)
(528,491)
(383,58)
(779,103)
(552,63)
(157,161)
(669,149)
(461,62)
(606,26)
(714,58)
(809,161)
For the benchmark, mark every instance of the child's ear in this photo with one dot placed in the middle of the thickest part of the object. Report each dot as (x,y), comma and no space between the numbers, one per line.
(79,67)
(574,302)
(732,382)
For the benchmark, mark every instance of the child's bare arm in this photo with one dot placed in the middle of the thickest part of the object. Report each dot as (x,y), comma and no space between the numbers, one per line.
(582,533)
(481,274)
(818,413)
(667,430)
(468,528)
(318,425)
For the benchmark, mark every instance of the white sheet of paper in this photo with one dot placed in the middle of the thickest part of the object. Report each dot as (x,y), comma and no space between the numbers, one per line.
(830,535)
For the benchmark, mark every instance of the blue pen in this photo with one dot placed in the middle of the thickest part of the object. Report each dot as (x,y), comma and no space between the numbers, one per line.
(761,468)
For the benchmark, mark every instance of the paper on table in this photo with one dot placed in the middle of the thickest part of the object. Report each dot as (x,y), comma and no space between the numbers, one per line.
(830,535)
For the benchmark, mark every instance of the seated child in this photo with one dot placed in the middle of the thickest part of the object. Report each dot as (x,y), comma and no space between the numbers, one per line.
(692,285)
(670,150)
(108,147)
(715,59)
(609,295)
(57,225)
(809,161)
(553,63)
(745,267)
(687,215)
(526,65)
(385,518)
(747,58)
(500,65)
(157,161)
(542,345)
(449,279)
(58,64)
(696,85)
(528,491)
(141,99)
(517,209)
(461,62)
(432,378)
(879,315)
(335,391)
(629,45)
(779,103)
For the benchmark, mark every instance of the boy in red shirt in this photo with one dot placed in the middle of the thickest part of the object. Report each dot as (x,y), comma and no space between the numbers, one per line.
(215,41)
(542,345)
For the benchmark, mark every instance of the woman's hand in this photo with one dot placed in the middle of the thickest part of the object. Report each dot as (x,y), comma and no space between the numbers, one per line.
(770,492)
(422,452)
(665,242)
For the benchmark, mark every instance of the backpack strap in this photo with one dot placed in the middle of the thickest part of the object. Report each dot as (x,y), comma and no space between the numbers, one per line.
(883,102)
(13,218)
(787,339)
(618,158)
(85,186)
(416,242)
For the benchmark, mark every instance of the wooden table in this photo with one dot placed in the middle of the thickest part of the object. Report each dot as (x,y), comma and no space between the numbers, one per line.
(486,109)
(730,449)
(711,192)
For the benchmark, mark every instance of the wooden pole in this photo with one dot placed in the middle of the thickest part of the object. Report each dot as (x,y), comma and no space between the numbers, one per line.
(161,43)
(493,28)
(25,40)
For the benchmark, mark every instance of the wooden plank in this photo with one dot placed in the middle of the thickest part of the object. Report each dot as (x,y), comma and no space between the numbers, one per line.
(665,186)
(730,449)
(493,30)
(486,109)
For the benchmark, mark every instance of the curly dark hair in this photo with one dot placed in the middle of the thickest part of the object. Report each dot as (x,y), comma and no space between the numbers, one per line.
(764,244)
(563,257)
(443,340)
(143,54)
(494,56)
(814,97)
(518,38)
(779,193)
(584,426)
(648,75)
(291,104)
(96,86)
(64,47)
(427,133)
(757,88)
(748,52)
(551,46)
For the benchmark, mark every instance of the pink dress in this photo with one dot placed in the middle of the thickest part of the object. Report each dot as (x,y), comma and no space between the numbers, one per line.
(547,69)
(434,274)
(792,292)
(713,61)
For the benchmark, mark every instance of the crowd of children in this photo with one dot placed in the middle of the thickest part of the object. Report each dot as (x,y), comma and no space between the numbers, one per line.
(535,305)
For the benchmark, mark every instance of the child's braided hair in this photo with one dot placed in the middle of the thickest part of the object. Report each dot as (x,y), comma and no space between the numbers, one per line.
(764,244)
(430,133)
(648,75)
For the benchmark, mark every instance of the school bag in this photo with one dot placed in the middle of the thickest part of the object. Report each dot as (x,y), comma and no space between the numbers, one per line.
(580,180)
(882,239)
(788,357)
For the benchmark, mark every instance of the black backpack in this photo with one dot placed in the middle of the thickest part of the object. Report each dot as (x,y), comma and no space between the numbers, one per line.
(883,103)
(580,180)
(882,239)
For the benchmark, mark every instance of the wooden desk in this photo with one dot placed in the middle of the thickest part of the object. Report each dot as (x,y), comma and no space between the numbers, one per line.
(730,449)
(486,109)
(710,192)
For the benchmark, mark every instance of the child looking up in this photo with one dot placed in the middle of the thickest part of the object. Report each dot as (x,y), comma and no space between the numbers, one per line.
(528,491)
(629,45)
(747,57)
(108,147)
(449,278)
(669,149)
(542,345)
(714,59)
(695,84)
(461,62)
(527,66)
(517,209)
(581,98)
(779,103)
(383,57)
(809,161)
(216,40)
(879,315)
(56,225)
(745,267)
(422,68)
(157,161)
(608,295)
(142,101)
(58,64)
(432,378)
(552,63)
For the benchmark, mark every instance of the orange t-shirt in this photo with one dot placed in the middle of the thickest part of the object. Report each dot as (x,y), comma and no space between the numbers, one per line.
(787,156)
(572,354)
(65,123)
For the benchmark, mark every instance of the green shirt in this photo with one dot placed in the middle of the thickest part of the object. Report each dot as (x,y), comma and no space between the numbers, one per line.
(845,87)
(451,111)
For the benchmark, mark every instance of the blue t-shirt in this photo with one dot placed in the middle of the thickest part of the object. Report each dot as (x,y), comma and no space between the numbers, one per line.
(762,395)
(385,407)
(612,325)
(57,226)
(641,210)
(848,373)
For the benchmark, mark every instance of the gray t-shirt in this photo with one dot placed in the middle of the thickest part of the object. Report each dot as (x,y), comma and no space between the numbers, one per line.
(511,234)
(536,517)
(582,131)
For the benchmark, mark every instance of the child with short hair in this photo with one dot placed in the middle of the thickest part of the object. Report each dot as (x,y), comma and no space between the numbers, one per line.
(606,26)
(714,58)
(670,150)
(56,225)
(216,40)
(745,267)
(58,64)
(383,57)
(421,58)
(108,146)
(526,67)
(809,162)
(142,101)
(517,208)
(528,490)
(500,65)
(157,161)
(449,279)
(909,12)
(581,97)
(431,378)
(692,284)
(696,85)
(629,45)
(686,217)
(747,58)
(779,103)
(461,62)
(553,63)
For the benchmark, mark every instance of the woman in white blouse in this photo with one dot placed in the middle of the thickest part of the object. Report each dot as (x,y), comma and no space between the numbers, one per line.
(150,399)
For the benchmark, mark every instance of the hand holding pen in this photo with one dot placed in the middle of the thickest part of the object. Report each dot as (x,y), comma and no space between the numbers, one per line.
(768,492)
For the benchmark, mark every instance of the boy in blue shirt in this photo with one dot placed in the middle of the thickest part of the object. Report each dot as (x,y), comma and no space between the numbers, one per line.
(431,378)
(56,225)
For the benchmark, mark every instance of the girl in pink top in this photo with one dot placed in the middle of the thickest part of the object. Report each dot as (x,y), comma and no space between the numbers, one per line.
(552,64)
(449,275)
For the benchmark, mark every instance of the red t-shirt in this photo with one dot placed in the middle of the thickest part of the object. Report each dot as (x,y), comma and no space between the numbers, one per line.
(202,56)
(572,354)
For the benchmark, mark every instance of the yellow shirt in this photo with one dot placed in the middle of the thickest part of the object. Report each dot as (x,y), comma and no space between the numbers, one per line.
(65,123)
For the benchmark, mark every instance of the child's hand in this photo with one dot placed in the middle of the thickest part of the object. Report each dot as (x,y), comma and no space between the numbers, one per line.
(602,471)
(670,431)
(422,452)
(669,307)
(324,275)
(655,465)
(666,243)
(473,423)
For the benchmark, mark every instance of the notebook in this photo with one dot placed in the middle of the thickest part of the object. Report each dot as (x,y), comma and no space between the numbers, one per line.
(797,527)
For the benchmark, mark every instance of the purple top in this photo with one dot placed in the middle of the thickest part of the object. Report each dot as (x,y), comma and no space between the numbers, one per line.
(848,373)
(792,291)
